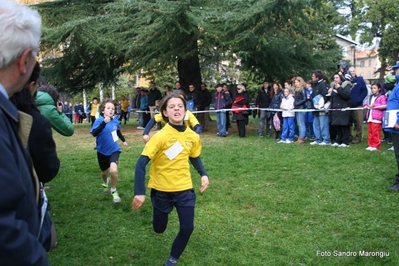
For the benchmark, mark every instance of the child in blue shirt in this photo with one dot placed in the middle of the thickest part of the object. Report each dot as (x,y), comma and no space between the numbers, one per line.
(106,129)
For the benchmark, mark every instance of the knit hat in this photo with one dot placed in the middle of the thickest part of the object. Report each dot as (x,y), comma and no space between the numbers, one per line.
(390,79)
(343,65)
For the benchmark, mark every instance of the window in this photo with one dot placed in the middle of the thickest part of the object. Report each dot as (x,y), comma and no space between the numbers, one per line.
(370,62)
(361,63)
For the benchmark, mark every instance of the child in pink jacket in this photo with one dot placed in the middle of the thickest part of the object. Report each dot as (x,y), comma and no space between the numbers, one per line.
(375,106)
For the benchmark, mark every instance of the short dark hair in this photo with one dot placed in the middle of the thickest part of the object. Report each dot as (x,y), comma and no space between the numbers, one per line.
(289,82)
(318,74)
(52,91)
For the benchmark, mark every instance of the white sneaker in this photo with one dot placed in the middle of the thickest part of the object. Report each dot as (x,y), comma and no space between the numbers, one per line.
(282,141)
(335,145)
(288,141)
(140,127)
(368,148)
(372,149)
(324,144)
(314,143)
(391,149)
(343,145)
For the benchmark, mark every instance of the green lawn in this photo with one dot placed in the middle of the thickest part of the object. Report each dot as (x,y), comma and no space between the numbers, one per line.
(267,204)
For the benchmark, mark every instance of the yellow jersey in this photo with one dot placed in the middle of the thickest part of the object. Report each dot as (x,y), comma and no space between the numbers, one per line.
(169,151)
(94,108)
(124,105)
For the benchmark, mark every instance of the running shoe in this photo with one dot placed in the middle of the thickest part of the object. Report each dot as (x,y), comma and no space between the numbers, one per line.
(115,197)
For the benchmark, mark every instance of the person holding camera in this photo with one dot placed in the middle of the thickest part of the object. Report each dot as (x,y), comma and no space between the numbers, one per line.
(46,100)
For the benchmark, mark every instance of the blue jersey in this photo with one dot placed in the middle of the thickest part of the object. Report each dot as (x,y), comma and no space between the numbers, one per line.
(107,140)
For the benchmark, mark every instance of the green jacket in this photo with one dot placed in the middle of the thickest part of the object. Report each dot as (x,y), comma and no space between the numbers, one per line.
(59,121)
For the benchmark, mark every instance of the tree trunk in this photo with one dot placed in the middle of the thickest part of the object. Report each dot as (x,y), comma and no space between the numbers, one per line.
(189,67)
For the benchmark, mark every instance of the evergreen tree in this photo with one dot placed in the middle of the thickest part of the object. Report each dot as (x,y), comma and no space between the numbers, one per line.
(94,41)
(379,18)
(274,39)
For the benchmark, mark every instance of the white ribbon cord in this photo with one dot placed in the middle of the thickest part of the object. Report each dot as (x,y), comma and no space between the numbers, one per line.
(272,110)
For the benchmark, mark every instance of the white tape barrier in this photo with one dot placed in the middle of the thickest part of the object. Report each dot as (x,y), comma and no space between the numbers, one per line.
(273,110)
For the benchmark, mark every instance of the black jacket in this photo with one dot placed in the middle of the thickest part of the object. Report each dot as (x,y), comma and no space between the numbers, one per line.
(319,87)
(300,99)
(341,98)
(42,148)
(276,100)
(195,96)
(154,95)
(206,99)
(263,98)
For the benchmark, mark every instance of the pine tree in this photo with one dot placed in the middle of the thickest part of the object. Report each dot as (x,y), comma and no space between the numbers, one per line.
(94,41)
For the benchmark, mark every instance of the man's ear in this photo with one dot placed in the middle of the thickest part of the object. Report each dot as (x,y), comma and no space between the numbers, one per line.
(23,61)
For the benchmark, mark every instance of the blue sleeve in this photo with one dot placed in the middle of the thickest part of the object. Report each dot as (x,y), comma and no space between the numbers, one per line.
(363,92)
(139,175)
(198,128)
(197,163)
(149,125)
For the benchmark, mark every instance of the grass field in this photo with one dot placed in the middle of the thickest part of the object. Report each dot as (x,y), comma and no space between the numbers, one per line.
(267,204)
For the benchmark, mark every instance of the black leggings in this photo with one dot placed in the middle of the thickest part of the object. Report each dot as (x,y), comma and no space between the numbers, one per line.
(186,219)
(123,115)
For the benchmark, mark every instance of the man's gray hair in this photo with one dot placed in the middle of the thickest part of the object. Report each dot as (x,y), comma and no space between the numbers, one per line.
(20,29)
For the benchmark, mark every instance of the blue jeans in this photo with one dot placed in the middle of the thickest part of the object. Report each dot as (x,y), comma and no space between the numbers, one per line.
(221,122)
(309,125)
(263,121)
(141,119)
(288,129)
(300,121)
(321,128)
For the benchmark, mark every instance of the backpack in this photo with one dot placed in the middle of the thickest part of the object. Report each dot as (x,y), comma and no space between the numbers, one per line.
(318,101)
(276,122)
(190,104)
